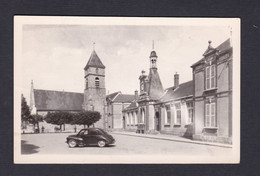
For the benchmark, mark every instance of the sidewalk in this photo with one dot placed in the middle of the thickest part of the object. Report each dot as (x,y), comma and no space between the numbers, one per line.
(171,138)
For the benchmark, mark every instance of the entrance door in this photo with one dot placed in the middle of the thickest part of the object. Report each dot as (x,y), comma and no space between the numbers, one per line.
(157,121)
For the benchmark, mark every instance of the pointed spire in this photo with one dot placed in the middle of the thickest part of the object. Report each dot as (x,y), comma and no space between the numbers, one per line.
(153,44)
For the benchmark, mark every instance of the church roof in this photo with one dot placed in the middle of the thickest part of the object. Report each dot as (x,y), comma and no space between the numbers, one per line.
(94,61)
(155,88)
(173,93)
(58,100)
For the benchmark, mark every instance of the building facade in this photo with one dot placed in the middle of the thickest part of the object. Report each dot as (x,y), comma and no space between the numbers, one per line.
(200,109)
(212,77)
(116,102)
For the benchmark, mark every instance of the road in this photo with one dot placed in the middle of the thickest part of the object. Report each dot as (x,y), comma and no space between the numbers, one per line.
(54,143)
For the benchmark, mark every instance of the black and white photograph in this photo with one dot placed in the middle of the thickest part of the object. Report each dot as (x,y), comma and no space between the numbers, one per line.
(126,90)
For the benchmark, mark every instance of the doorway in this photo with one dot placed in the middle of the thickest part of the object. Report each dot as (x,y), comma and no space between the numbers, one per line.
(123,122)
(157,121)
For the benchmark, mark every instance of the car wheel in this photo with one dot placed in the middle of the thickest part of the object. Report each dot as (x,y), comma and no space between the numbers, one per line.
(72,143)
(101,143)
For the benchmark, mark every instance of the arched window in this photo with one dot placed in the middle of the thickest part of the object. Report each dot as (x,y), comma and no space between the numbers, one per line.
(97,82)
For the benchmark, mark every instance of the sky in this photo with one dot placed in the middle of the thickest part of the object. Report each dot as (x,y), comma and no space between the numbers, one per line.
(53,56)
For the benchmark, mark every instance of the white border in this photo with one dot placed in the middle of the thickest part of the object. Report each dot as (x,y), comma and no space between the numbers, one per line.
(19,21)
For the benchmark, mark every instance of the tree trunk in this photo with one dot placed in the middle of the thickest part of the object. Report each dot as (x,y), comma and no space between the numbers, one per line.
(88,126)
(34,127)
(38,127)
(84,126)
(60,127)
(63,127)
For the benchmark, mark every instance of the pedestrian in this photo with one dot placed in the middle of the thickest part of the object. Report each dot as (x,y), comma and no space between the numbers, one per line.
(42,129)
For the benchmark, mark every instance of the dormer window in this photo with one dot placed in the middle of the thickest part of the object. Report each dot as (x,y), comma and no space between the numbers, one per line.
(211,77)
(97,82)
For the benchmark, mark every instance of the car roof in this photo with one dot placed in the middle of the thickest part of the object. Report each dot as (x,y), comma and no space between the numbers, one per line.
(92,129)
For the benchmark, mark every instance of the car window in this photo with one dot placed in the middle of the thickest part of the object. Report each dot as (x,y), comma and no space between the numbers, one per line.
(86,132)
(93,132)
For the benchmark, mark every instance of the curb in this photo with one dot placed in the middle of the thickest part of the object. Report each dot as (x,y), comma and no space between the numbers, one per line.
(176,140)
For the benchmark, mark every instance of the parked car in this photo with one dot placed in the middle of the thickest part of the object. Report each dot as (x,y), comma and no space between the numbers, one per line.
(90,136)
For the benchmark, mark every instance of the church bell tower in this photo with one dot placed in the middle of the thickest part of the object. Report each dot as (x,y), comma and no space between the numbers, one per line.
(95,91)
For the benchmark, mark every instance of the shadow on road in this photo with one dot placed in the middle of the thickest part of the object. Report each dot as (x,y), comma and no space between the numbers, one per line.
(27,149)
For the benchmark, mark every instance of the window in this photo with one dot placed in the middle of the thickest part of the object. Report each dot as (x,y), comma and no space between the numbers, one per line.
(142,115)
(190,112)
(168,115)
(93,132)
(178,113)
(86,83)
(210,113)
(210,77)
(97,82)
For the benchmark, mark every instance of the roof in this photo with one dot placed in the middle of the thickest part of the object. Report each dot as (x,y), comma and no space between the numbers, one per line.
(223,46)
(113,95)
(132,106)
(184,90)
(58,100)
(94,61)
(155,88)
(124,98)
(153,54)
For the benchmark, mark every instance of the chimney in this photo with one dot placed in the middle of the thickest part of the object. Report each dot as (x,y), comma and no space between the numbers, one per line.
(176,80)
(143,72)
(136,95)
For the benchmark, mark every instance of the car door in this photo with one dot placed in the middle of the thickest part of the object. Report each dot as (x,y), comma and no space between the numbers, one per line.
(93,136)
(84,135)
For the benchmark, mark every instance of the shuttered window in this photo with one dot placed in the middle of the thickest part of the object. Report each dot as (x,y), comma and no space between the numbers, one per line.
(210,118)
(211,77)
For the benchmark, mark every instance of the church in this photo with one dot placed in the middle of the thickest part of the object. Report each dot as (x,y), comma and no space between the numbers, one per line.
(93,98)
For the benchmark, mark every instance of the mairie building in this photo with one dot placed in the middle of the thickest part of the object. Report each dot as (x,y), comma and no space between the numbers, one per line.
(200,109)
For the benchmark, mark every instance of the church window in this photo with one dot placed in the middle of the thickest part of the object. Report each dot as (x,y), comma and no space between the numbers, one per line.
(97,82)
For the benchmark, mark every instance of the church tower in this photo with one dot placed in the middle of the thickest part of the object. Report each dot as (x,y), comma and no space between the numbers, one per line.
(95,91)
